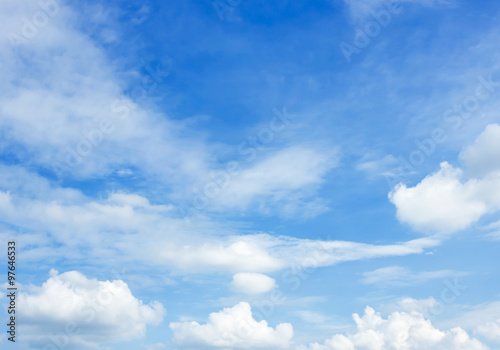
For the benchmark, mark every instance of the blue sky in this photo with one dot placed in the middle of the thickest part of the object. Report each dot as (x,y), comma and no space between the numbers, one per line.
(306,175)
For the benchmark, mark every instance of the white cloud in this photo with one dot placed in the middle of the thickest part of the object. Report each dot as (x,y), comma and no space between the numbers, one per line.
(409,331)
(399,276)
(231,328)
(490,330)
(83,125)
(323,321)
(493,229)
(238,253)
(95,311)
(70,115)
(423,306)
(482,319)
(60,223)
(287,176)
(483,157)
(313,317)
(310,253)
(252,283)
(444,202)
(265,253)
(373,164)
(440,202)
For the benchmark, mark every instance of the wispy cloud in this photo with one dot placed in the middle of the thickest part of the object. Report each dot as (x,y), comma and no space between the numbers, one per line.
(399,276)
(364,9)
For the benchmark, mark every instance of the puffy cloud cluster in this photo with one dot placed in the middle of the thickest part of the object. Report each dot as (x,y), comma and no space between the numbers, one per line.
(72,310)
(443,202)
(231,328)
(235,328)
(402,331)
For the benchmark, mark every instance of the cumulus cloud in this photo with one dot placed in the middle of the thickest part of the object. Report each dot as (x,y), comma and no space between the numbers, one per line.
(85,311)
(440,202)
(231,328)
(444,202)
(237,253)
(409,331)
(252,283)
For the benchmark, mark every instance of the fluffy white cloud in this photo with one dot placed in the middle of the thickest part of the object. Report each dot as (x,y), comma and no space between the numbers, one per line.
(252,283)
(238,253)
(440,202)
(75,311)
(231,328)
(408,331)
(444,202)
